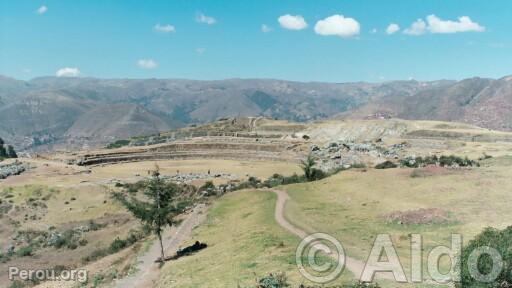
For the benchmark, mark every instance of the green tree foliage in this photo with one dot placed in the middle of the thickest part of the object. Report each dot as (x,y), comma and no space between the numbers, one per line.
(11,153)
(6,152)
(501,240)
(3,152)
(310,172)
(386,165)
(159,208)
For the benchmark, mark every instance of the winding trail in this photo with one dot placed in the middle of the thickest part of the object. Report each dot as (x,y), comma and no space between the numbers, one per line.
(353,265)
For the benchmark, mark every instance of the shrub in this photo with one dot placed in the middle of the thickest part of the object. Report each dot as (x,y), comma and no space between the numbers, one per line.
(277,280)
(443,161)
(362,285)
(485,157)
(93,226)
(209,188)
(386,165)
(358,165)
(501,240)
(24,251)
(317,174)
(118,144)
(207,185)
(4,258)
(17,284)
(118,245)
(67,239)
(95,255)
(134,187)
(278,179)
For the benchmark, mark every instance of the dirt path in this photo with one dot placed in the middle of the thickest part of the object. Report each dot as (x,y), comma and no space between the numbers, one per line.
(148,271)
(353,265)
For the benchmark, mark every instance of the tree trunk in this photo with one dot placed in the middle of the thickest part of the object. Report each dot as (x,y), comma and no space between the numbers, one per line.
(161,247)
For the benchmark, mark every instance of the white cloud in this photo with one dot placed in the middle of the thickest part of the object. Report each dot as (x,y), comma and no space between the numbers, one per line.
(67,72)
(200,51)
(392,28)
(265,28)
(292,22)
(147,63)
(419,27)
(42,10)
(167,28)
(337,25)
(436,25)
(464,24)
(201,18)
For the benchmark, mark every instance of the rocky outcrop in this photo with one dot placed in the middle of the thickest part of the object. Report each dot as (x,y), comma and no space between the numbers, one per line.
(15,168)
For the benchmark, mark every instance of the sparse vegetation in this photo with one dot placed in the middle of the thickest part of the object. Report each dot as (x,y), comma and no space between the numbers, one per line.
(386,165)
(443,161)
(118,144)
(276,280)
(115,246)
(208,188)
(24,251)
(279,280)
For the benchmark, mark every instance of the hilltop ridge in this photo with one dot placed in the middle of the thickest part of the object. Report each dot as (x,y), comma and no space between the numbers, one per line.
(49,112)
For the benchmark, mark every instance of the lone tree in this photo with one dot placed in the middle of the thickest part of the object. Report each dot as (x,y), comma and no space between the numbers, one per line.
(11,153)
(3,152)
(310,172)
(6,152)
(159,208)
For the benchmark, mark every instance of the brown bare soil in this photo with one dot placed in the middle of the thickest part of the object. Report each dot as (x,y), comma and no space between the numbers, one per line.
(419,216)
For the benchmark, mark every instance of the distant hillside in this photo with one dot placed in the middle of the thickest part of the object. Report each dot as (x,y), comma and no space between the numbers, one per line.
(52,112)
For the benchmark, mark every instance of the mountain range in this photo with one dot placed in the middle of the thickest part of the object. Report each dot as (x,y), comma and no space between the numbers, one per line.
(69,112)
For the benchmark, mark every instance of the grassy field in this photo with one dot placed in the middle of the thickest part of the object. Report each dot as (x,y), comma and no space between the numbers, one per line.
(244,242)
(71,196)
(352,205)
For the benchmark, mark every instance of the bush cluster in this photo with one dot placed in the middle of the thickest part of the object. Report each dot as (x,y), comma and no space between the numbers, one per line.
(386,165)
(6,151)
(118,144)
(501,240)
(279,280)
(443,161)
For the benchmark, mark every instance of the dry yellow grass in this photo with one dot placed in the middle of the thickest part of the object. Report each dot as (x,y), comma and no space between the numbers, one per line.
(351,205)
(260,169)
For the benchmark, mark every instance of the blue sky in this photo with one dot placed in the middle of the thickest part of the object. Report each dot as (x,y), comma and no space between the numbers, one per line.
(342,41)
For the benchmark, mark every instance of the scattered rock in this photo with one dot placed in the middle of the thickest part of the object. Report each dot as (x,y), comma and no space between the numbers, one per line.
(189,177)
(419,216)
